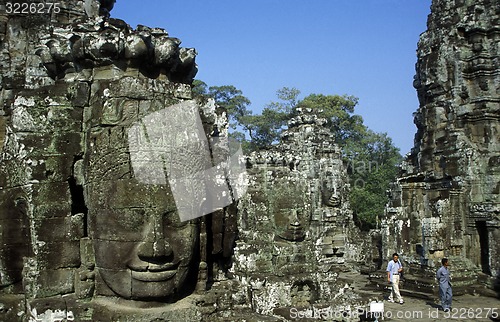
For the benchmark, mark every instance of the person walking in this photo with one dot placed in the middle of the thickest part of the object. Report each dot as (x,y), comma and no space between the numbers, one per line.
(443,277)
(394,271)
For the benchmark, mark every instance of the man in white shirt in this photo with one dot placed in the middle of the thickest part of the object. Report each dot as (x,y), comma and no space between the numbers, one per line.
(394,269)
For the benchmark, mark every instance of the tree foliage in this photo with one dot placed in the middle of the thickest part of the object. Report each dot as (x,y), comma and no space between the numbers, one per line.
(339,111)
(371,165)
(371,158)
(228,97)
(265,128)
(232,100)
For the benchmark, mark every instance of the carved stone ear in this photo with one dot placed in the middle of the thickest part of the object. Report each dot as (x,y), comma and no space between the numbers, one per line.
(78,172)
(112,111)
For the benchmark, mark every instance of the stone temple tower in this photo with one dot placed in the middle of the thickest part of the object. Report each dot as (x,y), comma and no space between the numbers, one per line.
(446,201)
(297,240)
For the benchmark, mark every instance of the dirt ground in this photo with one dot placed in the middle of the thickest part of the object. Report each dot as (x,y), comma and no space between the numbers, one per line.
(464,308)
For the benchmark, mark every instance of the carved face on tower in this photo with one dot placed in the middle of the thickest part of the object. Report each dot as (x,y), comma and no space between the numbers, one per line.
(291,216)
(331,198)
(330,194)
(142,249)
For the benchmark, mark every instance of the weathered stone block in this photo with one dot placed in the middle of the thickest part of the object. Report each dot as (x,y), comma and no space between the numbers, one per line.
(118,111)
(3,131)
(14,203)
(149,106)
(49,143)
(11,256)
(456,123)
(68,143)
(79,94)
(65,119)
(52,193)
(12,307)
(107,73)
(14,231)
(52,210)
(118,277)
(59,255)
(60,229)
(54,282)
(51,168)
(49,309)
(131,195)
(118,224)
(109,259)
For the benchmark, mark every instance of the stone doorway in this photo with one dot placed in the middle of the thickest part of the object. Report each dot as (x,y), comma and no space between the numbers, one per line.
(484,244)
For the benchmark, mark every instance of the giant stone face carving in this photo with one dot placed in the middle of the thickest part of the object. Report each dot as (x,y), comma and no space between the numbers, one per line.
(290,213)
(142,252)
(142,249)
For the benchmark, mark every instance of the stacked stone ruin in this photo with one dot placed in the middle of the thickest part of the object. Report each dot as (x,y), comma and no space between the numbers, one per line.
(297,238)
(446,201)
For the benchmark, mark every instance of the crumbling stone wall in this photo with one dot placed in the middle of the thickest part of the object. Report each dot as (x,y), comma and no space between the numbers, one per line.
(446,200)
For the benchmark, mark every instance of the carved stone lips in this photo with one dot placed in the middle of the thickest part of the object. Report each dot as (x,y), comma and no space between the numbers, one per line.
(295,230)
(294,233)
(153,276)
(154,272)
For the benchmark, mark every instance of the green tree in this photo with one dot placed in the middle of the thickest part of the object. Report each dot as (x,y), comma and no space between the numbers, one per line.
(228,97)
(372,164)
(339,112)
(199,89)
(264,129)
(232,100)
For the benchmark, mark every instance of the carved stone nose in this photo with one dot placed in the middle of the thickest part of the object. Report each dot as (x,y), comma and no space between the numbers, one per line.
(154,243)
(294,219)
(158,248)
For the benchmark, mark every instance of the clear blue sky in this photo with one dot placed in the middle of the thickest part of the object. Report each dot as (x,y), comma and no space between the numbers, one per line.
(365,48)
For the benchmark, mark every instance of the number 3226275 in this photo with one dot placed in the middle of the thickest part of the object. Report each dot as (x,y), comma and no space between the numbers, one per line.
(32,8)
(478,313)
